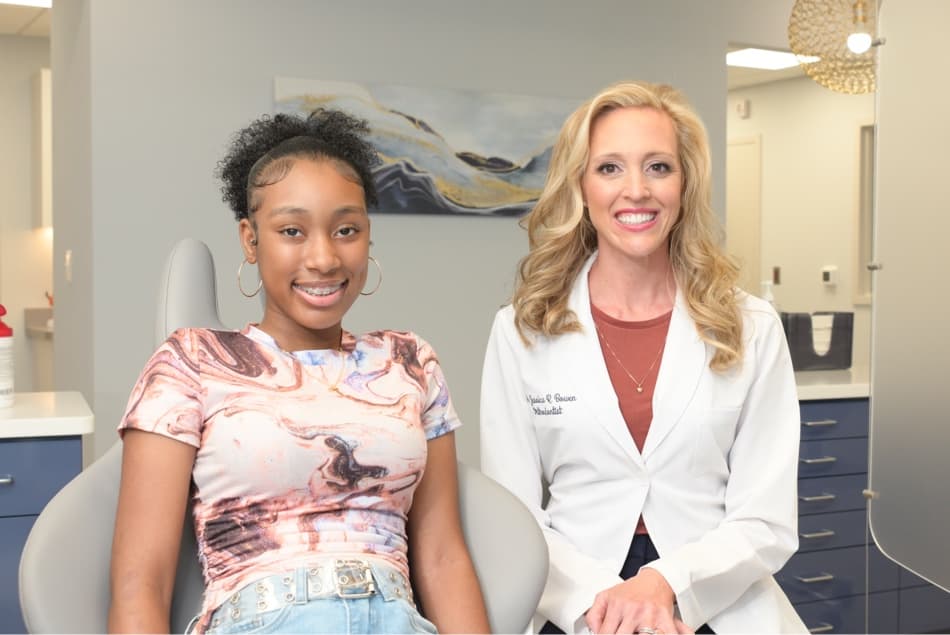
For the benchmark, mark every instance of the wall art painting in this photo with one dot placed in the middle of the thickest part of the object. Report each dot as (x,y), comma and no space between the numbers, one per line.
(444,151)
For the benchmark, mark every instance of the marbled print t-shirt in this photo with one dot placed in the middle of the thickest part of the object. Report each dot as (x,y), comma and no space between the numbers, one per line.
(300,455)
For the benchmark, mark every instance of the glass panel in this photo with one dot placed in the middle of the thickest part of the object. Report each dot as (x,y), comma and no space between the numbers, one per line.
(910,362)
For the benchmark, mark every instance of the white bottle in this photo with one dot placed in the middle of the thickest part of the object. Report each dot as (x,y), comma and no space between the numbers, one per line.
(767,294)
(6,362)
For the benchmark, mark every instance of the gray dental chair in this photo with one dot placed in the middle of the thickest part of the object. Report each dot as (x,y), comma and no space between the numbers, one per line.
(64,569)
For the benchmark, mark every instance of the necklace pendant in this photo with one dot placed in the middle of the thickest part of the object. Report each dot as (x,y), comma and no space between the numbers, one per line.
(639,388)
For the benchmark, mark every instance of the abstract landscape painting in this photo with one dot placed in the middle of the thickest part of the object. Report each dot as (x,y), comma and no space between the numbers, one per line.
(444,151)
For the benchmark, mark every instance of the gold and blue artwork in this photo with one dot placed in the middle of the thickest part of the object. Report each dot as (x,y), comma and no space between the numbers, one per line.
(444,151)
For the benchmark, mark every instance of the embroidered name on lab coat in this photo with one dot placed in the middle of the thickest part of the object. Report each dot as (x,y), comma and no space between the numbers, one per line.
(548,404)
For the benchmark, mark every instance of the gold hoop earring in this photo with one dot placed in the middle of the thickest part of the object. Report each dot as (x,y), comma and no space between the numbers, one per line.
(380,269)
(260,283)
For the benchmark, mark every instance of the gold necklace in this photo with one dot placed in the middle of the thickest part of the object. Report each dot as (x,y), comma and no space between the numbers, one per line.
(610,350)
(338,355)
(341,359)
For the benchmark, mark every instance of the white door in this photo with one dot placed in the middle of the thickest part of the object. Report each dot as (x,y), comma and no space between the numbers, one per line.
(743,210)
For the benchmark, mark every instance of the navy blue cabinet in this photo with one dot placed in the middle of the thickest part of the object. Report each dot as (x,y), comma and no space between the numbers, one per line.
(838,580)
(32,470)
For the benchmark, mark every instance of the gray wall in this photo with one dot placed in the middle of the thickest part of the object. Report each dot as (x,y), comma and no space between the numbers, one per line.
(151,90)
(75,360)
(761,23)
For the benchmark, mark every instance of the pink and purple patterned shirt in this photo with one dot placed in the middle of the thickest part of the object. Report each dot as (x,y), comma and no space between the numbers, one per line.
(299,455)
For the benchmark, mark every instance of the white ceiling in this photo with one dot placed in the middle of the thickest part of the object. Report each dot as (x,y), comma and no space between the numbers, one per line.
(19,20)
(33,22)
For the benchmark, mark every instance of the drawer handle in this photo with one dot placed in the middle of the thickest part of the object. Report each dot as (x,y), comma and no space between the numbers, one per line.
(821,577)
(6,479)
(820,423)
(824,533)
(825,627)
(817,498)
(820,459)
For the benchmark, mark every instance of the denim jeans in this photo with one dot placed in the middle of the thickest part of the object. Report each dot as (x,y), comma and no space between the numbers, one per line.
(388,610)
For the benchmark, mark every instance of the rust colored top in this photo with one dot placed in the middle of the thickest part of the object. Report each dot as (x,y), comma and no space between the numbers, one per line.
(633,352)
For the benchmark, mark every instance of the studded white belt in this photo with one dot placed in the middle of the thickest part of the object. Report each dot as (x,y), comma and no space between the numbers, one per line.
(348,578)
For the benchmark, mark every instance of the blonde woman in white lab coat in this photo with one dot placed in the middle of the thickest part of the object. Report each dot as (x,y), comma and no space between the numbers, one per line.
(655,400)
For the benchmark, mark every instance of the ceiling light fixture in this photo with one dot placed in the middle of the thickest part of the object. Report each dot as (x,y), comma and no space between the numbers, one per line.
(840,33)
(41,4)
(763,59)
(859,40)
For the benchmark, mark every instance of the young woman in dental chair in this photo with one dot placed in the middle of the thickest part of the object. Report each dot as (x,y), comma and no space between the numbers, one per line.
(323,462)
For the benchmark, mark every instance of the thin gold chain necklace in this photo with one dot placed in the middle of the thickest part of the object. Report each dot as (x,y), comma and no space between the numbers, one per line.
(610,350)
(340,357)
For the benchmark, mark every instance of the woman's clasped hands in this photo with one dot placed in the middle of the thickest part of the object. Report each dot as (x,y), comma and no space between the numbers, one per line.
(643,604)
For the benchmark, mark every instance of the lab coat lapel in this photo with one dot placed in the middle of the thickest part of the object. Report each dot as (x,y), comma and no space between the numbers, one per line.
(681,368)
(589,370)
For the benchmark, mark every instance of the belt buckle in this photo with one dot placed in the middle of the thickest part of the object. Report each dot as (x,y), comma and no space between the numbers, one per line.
(354,579)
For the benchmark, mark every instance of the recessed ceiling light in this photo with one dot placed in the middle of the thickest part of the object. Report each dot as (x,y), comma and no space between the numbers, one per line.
(764,59)
(43,4)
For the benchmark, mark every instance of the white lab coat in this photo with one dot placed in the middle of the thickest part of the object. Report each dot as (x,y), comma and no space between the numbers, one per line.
(715,483)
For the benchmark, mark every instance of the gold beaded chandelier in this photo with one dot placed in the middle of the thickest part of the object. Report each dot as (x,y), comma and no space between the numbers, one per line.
(835,42)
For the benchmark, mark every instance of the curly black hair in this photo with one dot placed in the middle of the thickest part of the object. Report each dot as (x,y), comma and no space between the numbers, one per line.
(330,134)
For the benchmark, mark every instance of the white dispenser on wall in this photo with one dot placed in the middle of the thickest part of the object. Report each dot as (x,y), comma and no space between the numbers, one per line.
(6,362)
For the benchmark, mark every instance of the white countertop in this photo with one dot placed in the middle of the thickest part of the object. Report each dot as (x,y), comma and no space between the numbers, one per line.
(833,384)
(46,414)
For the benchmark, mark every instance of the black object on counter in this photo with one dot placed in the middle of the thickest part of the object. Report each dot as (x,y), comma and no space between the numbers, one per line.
(798,332)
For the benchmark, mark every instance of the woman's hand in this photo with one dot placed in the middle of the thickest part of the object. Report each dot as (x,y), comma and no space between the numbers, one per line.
(644,604)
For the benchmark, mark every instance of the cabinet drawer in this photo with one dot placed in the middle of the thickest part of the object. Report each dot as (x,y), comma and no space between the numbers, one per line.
(833,457)
(924,609)
(830,531)
(831,494)
(836,419)
(835,573)
(13,533)
(33,470)
(823,575)
(846,615)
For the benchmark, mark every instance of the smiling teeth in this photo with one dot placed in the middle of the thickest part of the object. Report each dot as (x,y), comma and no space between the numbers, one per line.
(320,291)
(637,218)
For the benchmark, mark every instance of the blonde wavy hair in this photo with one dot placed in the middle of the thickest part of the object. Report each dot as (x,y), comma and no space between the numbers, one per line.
(561,236)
